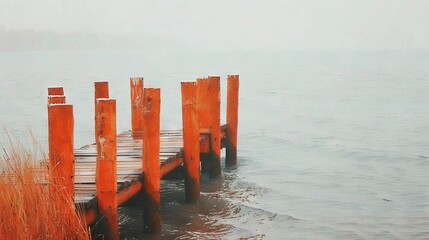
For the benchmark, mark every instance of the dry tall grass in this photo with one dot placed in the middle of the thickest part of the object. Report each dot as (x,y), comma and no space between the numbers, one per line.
(31,207)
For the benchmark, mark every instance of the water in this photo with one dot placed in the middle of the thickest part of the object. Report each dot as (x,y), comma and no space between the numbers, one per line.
(332,145)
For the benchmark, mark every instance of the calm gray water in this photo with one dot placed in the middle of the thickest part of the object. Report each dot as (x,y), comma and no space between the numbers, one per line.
(332,145)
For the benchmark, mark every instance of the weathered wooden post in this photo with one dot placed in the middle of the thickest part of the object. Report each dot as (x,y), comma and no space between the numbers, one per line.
(191,141)
(202,119)
(101,90)
(136,86)
(56,99)
(106,169)
(55,91)
(208,97)
(150,158)
(61,144)
(232,120)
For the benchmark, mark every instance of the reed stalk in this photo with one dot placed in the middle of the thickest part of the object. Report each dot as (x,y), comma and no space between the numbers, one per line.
(31,206)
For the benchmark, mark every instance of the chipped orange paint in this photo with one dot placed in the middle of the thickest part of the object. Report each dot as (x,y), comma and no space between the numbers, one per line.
(106,169)
(136,87)
(101,90)
(56,99)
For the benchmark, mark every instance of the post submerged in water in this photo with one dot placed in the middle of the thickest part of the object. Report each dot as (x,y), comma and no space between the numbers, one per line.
(232,120)
(202,122)
(106,169)
(208,97)
(150,159)
(191,141)
(202,135)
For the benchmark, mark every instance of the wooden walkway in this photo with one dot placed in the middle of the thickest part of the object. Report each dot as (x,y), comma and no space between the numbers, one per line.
(104,175)
(129,161)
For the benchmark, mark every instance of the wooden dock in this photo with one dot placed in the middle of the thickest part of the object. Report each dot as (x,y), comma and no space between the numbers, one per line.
(129,162)
(106,174)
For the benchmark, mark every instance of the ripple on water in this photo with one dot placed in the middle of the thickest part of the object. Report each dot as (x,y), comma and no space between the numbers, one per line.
(225,210)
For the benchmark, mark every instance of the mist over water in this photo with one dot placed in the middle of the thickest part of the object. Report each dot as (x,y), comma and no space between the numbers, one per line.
(332,145)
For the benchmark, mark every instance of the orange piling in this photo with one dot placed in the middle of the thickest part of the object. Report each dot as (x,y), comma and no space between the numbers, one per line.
(208,98)
(202,84)
(106,170)
(191,139)
(55,91)
(232,120)
(101,90)
(136,86)
(56,99)
(61,156)
(150,159)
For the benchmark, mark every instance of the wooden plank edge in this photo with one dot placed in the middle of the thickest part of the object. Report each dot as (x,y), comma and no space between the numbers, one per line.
(171,164)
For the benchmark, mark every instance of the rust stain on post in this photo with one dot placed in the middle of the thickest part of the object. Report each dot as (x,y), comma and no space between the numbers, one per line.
(151,160)
(191,141)
(106,169)
(101,90)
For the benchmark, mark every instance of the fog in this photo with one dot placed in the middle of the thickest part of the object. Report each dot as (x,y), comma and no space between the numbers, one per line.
(221,24)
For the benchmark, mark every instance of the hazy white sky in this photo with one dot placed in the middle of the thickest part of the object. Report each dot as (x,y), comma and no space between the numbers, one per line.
(279,24)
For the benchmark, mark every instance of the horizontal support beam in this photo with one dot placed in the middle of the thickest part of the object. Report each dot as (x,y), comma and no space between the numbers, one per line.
(129,191)
(170,165)
(126,193)
(205,138)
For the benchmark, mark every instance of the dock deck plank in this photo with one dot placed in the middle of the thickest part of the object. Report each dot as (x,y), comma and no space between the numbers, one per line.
(129,162)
